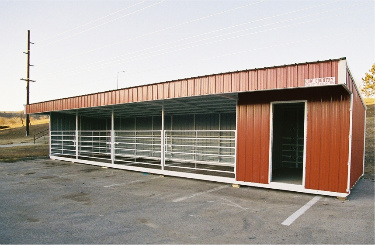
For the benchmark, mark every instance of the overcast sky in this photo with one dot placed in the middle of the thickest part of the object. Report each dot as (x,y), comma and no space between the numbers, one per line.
(81,47)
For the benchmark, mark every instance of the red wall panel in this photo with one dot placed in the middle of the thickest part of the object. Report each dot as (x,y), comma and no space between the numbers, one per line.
(227,80)
(191,87)
(358,133)
(205,85)
(219,83)
(327,144)
(253,150)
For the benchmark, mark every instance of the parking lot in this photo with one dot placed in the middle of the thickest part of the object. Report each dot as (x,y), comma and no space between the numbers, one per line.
(46,201)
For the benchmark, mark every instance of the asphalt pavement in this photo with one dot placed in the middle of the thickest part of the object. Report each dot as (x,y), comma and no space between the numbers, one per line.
(46,201)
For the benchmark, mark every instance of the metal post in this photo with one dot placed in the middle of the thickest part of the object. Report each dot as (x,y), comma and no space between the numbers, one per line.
(76,136)
(113,137)
(162,149)
(50,133)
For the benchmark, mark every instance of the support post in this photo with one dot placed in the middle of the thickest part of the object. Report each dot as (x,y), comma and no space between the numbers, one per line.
(76,136)
(113,137)
(162,140)
(50,134)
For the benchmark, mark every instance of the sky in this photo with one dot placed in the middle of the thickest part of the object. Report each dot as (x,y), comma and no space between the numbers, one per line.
(83,47)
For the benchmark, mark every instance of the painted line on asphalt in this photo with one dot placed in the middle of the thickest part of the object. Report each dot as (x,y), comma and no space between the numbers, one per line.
(199,193)
(301,211)
(132,182)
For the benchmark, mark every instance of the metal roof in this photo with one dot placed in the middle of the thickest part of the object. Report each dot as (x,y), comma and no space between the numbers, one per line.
(198,94)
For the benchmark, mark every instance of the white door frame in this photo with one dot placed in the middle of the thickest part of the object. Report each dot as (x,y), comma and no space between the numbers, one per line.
(304,138)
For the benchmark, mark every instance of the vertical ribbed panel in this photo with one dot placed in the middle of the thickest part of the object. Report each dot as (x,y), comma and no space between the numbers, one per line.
(358,133)
(290,76)
(253,142)
(327,144)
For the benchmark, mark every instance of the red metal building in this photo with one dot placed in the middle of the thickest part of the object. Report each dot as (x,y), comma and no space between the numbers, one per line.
(297,127)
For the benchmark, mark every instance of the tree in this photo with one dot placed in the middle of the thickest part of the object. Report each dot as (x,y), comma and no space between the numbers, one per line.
(368,88)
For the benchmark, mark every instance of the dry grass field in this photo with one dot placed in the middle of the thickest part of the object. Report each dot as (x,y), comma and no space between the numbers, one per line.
(13,133)
(370,139)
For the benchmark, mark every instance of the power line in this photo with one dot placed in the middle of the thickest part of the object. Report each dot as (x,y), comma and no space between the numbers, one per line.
(181,46)
(167,28)
(102,24)
(90,22)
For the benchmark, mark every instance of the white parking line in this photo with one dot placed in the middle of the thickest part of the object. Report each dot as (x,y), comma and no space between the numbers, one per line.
(199,193)
(132,182)
(300,211)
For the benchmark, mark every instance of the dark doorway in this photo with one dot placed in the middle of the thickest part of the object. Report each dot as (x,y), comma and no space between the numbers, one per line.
(288,142)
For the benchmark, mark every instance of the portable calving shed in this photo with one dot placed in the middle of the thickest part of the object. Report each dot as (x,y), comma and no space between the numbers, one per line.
(297,127)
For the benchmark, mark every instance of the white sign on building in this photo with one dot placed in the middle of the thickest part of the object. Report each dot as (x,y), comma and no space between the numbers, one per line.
(321,81)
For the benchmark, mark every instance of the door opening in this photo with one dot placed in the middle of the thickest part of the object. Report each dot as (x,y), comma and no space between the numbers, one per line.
(288,143)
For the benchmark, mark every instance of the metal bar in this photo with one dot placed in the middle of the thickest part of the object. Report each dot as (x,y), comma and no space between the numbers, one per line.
(76,136)
(113,137)
(162,139)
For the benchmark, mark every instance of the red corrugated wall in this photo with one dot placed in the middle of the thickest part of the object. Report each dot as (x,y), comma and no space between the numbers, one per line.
(253,142)
(358,132)
(327,144)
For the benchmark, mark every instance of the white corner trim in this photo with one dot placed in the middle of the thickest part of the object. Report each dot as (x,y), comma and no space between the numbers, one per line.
(341,74)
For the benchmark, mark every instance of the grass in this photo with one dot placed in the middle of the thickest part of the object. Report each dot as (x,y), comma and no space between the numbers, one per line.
(17,135)
(370,140)
(17,153)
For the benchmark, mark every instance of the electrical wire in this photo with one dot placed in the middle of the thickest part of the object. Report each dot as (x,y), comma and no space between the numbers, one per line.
(102,24)
(165,29)
(98,64)
(89,23)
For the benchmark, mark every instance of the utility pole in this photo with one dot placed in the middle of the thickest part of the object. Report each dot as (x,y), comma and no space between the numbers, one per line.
(28,81)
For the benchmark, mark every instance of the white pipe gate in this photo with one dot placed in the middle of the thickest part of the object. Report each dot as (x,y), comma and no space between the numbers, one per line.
(207,152)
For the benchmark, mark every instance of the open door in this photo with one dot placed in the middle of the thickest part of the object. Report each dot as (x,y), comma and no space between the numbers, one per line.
(288,142)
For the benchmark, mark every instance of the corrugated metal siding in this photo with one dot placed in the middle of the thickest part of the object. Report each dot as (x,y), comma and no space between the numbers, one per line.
(288,76)
(327,144)
(253,142)
(358,132)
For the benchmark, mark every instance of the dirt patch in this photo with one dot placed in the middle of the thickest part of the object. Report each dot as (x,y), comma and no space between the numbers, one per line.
(17,153)
(82,197)
(89,170)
